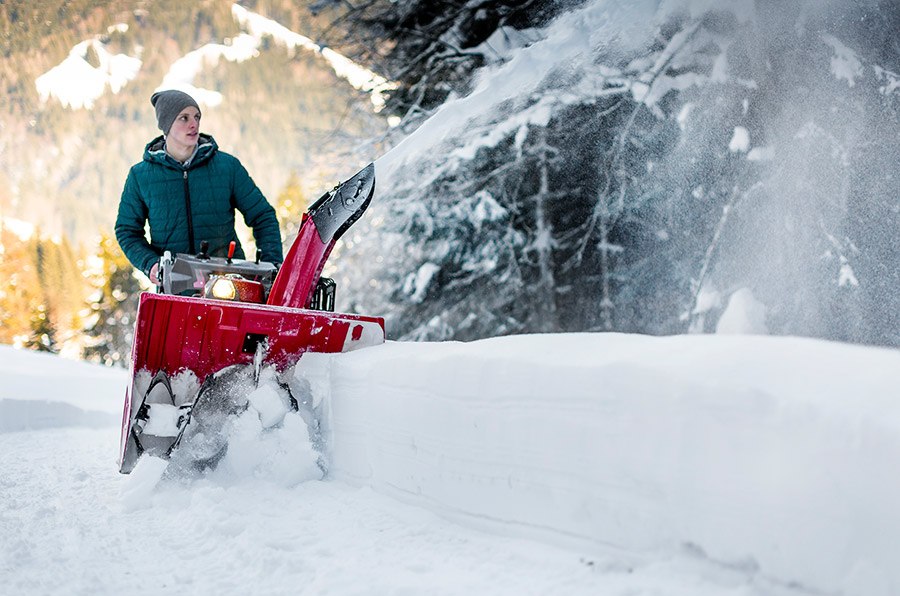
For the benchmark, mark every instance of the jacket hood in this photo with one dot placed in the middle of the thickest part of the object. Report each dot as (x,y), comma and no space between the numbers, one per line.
(155,152)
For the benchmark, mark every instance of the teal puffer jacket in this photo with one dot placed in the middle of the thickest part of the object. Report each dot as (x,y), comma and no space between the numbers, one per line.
(202,196)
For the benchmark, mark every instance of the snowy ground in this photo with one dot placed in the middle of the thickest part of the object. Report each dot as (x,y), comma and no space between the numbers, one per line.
(561,464)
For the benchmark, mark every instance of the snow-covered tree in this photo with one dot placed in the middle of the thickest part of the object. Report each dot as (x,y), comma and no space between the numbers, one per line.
(642,165)
(112,307)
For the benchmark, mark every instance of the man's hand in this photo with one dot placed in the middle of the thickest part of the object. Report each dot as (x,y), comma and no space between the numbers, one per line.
(154,274)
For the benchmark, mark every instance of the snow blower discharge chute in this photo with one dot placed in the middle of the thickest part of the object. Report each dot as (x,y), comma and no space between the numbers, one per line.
(195,357)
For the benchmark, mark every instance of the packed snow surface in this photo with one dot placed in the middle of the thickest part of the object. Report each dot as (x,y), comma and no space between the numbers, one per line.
(555,464)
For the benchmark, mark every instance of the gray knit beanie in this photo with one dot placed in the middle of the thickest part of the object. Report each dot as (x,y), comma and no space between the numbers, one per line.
(168,105)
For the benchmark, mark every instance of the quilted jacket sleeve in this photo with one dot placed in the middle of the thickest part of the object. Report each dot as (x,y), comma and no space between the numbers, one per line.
(258,214)
(130,226)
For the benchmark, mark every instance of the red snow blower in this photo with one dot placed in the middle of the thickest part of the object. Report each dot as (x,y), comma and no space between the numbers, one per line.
(199,346)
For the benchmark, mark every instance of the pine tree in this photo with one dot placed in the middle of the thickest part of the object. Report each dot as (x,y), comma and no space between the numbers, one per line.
(43,331)
(112,307)
(290,205)
(19,289)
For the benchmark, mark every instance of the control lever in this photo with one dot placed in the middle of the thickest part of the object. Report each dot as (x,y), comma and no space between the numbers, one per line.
(165,264)
(204,250)
(258,255)
(231,248)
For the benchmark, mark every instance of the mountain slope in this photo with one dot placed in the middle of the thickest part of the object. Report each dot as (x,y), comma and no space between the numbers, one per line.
(63,166)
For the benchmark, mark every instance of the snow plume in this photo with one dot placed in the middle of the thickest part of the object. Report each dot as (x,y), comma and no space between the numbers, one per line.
(799,107)
(792,219)
(264,438)
(737,145)
(569,41)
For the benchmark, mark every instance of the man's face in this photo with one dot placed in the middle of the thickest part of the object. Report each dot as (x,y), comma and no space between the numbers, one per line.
(186,129)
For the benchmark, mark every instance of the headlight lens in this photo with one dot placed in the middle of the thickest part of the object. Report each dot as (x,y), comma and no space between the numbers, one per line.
(223,289)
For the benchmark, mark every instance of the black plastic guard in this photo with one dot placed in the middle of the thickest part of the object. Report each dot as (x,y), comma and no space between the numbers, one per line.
(339,209)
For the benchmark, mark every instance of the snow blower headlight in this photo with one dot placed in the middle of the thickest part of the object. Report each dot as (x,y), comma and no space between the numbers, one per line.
(223,289)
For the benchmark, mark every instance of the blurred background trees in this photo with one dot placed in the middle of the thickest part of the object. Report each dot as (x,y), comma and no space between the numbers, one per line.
(688,160)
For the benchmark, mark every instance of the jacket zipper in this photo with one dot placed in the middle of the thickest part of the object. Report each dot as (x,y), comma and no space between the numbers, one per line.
(187,208)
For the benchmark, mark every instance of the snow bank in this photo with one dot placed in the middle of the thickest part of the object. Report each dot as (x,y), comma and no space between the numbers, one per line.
(775,455)
(46,391)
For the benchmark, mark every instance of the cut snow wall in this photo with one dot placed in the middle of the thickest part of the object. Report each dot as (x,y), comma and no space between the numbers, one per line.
(775,454)
(42,390)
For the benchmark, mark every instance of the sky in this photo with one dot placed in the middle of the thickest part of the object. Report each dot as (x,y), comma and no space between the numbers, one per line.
(542,464)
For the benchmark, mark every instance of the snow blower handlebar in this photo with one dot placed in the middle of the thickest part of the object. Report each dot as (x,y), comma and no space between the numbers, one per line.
(296,283)
(189,273)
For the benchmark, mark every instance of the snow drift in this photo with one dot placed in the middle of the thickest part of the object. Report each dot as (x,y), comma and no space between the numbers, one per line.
(44,391)
(772,456)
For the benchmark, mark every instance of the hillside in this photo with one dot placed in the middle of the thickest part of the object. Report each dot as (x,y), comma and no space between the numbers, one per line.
(66,151)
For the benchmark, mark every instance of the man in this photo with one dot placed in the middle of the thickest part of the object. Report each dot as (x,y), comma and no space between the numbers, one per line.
(188,191)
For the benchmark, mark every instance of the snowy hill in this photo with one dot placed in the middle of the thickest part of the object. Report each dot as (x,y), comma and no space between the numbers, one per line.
(78,114)
(569,464)
(77,84)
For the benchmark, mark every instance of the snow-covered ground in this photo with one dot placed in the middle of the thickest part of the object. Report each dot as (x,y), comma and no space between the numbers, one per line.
(557,464)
